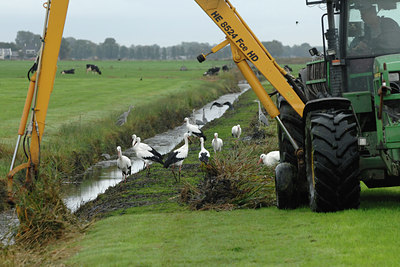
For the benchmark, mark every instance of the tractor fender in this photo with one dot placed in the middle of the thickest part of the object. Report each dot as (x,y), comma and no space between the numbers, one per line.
(326,103)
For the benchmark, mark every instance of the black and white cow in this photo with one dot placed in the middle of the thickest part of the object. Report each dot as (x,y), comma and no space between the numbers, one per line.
(212,71)
(287,68)
(225,68)
(92,68)
(70,71)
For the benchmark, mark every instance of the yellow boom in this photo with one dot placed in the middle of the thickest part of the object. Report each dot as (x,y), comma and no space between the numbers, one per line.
(40,88)
(246,47)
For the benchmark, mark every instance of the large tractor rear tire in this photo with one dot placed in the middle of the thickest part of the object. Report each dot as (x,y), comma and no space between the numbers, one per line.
(332,160)
(289,197)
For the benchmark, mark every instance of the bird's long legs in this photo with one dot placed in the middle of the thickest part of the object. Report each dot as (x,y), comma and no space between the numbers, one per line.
(179,177)
(179,174)
(148,169)
(174,175)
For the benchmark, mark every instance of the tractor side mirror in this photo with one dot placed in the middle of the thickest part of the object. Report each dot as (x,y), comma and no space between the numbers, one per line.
(314,52)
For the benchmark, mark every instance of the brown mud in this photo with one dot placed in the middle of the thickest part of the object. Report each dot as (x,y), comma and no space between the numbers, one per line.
(139,189)
(160,186)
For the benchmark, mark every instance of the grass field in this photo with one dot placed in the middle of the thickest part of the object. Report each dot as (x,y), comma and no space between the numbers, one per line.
(82,102)
(85,97)
(263,237)
(172,235)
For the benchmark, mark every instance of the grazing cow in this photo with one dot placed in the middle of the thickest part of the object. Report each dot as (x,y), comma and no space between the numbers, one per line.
(70,71)
(225,68)
(212,71)
(287,68)
(92,68)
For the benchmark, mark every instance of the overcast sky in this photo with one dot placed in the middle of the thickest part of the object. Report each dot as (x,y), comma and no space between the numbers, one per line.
(165,22)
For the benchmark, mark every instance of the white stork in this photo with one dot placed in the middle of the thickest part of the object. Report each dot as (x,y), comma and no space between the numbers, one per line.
(236,131)
(123,163)
(217,143)
(194,129)
(176,157)
(204,155)
(146,153)
(270,159)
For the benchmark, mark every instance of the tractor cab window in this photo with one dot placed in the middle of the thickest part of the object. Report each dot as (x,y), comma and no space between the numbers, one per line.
(373,28)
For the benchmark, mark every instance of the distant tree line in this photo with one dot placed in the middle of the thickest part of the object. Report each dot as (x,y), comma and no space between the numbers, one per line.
(79,49)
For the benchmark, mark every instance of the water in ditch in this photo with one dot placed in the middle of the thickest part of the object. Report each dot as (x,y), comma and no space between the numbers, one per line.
(105,174)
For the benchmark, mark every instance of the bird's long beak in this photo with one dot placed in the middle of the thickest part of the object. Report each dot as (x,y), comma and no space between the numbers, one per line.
(259,161)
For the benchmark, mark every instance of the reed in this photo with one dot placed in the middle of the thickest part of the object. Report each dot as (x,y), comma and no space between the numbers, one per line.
(77,146)
(232,180)
(44,221)
(42,214)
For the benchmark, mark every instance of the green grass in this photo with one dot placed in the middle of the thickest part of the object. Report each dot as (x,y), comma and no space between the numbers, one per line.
(83,107)
(172,235)
(267,236)
(86,97)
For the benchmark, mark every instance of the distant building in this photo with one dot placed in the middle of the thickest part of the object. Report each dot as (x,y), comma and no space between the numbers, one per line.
(30,50)
(5,53)
(15,55)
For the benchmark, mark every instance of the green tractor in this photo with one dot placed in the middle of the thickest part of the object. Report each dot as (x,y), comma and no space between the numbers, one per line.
(350,129)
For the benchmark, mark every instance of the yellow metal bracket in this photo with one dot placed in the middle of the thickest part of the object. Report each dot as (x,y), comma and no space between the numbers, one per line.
(215,49)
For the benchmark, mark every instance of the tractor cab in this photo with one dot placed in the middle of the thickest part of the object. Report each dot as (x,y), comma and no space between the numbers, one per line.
(356,33)
(370,30)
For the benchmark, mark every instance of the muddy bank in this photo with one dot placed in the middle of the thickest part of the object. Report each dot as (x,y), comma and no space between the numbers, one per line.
(160,186)
(139,189)
(105,173)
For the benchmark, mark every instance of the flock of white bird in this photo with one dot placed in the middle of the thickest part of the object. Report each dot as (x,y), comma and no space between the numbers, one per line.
(175,158)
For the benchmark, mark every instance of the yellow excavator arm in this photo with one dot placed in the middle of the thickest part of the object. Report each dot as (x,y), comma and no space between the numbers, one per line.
(246,47)
(40,88)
